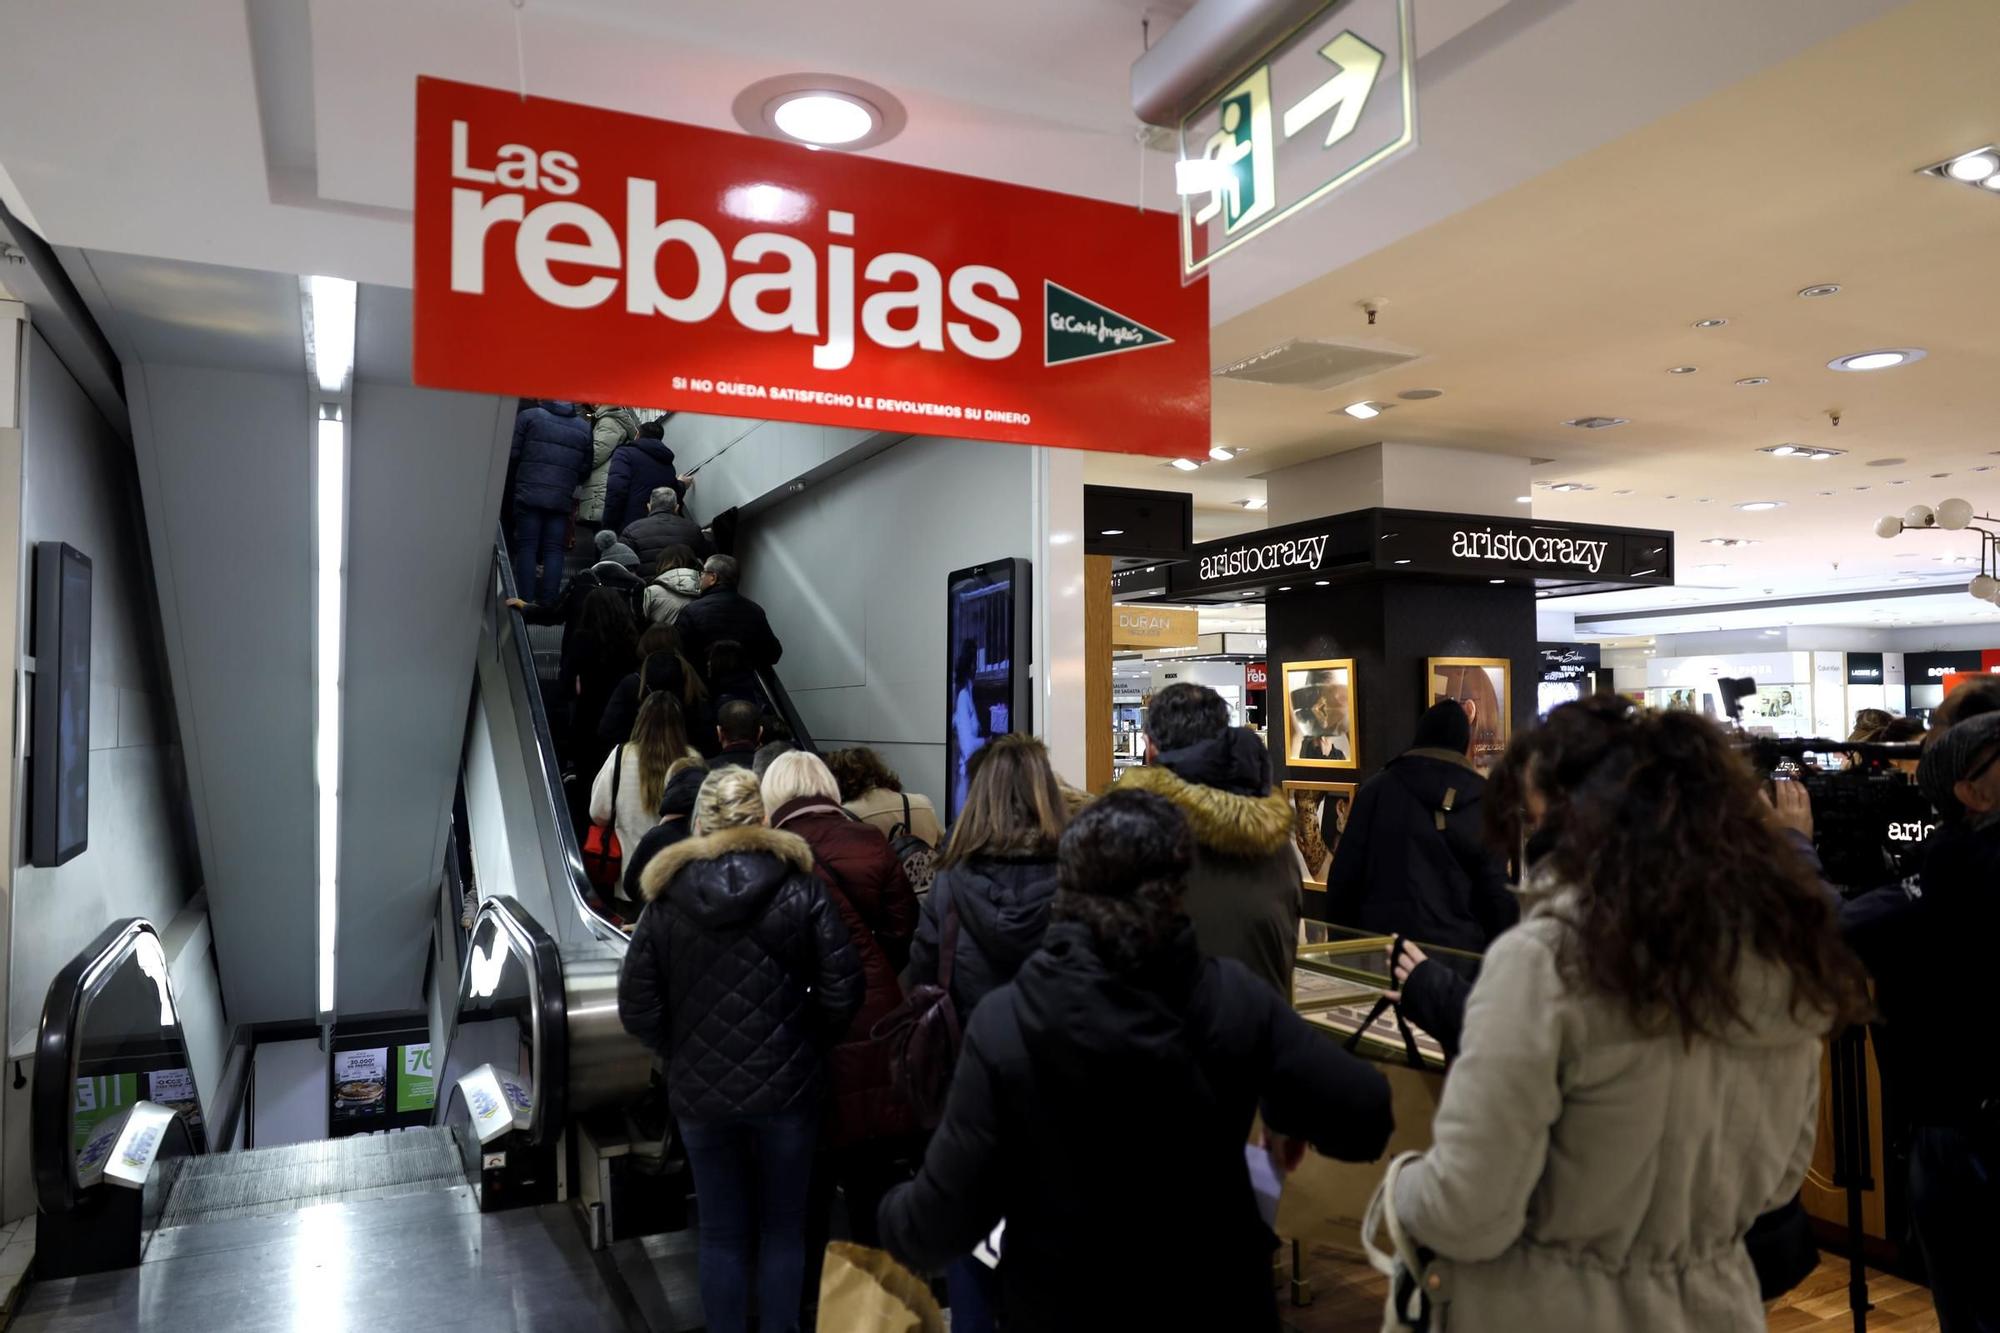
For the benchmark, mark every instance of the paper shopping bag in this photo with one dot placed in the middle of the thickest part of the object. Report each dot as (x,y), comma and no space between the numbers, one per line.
(865,1291)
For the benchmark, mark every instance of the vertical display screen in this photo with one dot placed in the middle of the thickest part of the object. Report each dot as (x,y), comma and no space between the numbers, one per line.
(986,635)
(59,794)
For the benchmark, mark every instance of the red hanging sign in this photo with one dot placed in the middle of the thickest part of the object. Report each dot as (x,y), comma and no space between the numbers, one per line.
(567,251)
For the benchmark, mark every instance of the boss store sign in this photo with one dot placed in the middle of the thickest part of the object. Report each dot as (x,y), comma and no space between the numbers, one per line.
(1560,558)
(1932,668)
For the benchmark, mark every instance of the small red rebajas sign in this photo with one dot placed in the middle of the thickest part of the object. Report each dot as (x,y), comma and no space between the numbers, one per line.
(567,251)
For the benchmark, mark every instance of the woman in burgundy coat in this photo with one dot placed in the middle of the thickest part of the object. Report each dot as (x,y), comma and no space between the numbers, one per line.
(871,1135)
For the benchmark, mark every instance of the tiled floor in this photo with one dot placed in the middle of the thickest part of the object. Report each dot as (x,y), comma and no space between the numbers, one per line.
(1347,1298)
(17,1248)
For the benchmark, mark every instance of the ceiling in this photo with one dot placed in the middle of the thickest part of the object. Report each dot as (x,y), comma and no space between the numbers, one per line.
(1574,293)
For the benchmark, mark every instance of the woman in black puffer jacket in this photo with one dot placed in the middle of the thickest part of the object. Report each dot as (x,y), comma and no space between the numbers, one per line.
(742,975)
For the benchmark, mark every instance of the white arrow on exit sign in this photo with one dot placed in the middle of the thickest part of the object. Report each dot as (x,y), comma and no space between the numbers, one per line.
(1359,63)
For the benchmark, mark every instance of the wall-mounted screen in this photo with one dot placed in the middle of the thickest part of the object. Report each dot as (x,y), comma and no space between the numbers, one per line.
(59,791)
(987,647)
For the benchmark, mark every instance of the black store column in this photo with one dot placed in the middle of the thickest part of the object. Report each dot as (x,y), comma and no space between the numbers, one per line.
(1391,625)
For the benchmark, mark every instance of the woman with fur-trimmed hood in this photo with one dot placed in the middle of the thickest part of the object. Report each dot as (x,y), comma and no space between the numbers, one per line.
(742,975)
(1245,893)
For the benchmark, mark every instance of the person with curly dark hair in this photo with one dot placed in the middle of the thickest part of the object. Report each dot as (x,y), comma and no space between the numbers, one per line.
(1640,1066)
(1104,1096)
(873,791)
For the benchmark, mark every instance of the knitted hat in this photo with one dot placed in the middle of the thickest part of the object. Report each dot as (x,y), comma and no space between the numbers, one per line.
(605,539)
(1444,727)
(617,550)
(1952,758)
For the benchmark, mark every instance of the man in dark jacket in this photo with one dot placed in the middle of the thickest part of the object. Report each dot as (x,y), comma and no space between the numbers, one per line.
(637,469)
(1413,859)
(676,810)
(1245,892)
(549,458)
(664,525)
(721,612)
(1931,964)
(739,728)
(1103,1099)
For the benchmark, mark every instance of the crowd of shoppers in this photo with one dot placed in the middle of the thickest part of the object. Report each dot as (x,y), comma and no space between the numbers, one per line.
(1634,1074)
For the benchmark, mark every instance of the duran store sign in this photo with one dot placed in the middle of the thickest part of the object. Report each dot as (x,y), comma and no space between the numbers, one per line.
(571,252)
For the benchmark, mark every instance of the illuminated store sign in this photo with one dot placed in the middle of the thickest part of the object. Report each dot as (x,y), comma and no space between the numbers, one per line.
(1528,549)
(573,252)
(1864,668)
(1303,555)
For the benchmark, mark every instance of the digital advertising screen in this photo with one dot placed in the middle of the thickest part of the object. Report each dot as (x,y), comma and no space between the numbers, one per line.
(987,641)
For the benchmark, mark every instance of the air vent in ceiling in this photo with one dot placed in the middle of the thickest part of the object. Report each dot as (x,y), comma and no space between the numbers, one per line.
(1596,423)
(1305,364)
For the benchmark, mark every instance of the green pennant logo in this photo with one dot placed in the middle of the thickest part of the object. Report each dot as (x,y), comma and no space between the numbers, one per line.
(1076,328)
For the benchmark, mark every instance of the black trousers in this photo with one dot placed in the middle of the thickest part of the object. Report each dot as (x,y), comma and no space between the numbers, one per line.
(1955,1207)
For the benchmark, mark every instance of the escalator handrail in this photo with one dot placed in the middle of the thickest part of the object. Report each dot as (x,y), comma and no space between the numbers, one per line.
(787,711)
(56,1048)
(549,1016)
(551,764)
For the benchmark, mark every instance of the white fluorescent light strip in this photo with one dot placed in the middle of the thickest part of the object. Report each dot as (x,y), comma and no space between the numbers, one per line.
(332,333)
(330,572)
(330,307)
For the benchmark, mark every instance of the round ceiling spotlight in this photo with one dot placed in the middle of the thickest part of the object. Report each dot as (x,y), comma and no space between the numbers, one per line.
(1823,289)
(1880,359)
(1973,168)
(820,111)
(1760,506)
(1753,382)
(1682,370)
(1710,323)
(1420,395)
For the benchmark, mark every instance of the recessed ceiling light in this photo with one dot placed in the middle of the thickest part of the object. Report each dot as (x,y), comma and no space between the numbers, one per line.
(1712,566)
(1597,423)
(1899,482)
(1729,541)
(1759,506)
(1420,395)
(1782,450)
(1362,411)
(1402,562)
(1991,182)
(1184,464)
(1710,323)
(1823,289)
(1254,502)
(1286,588)
(1565,487)
(1622,492)
(1682,370)
(1524,499)
(1881,359)
(1111,532)
(1496,580)
(1753,382)
(820,111)
(1320,583)
(1973,167)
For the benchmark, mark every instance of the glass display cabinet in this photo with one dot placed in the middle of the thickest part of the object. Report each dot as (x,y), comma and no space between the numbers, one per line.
(1340,982)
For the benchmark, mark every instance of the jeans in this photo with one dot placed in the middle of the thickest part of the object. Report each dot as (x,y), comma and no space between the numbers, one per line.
(1955,1206)
(539,538)
(751,1177)
(970,1284)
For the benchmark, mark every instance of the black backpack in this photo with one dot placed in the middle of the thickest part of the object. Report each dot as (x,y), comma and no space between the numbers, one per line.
(919,858)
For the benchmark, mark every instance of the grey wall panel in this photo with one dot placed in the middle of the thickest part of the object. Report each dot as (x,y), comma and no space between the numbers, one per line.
(425,474)
(78,486)
(853,576)
(223,459)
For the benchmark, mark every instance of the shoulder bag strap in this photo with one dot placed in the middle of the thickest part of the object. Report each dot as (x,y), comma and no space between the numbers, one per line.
(905,825)
(948,946)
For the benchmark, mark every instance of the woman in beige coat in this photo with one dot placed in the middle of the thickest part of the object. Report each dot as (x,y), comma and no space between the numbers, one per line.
(1639,1075)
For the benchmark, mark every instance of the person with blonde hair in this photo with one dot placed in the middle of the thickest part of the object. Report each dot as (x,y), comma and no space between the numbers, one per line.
(741,974)
(869,1124)
(626,793)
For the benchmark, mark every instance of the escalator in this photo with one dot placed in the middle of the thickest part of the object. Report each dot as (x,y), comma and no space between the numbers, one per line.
(144,1223)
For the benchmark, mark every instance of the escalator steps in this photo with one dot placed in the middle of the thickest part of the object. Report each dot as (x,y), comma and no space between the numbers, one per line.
(267,1181)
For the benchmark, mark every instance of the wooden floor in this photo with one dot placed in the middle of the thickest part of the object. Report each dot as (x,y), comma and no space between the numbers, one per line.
(1348,1295)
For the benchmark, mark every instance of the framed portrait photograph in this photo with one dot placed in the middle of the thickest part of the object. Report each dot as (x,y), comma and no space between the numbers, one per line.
(1479,686)
(1319,817)
(1319,714)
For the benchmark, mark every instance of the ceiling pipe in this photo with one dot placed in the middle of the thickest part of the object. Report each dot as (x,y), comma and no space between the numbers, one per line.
(1208,44)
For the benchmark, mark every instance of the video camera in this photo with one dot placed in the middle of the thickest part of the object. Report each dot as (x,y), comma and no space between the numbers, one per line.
(1870,821)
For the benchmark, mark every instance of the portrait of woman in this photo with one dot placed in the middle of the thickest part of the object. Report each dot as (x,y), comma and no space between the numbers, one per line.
(1319,714)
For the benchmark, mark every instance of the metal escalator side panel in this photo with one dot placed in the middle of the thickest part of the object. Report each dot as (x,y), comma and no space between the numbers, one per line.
(512,993)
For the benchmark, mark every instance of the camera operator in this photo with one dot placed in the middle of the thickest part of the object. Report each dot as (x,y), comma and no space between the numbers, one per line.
(1930,953)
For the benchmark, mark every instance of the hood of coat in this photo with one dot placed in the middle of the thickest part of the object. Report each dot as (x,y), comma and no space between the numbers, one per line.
(727,877)
(612,574)
(655,449)
(624,418)
(1082,1019)
(681,582)
(1222,821)
(561,407)
(1235,761)
(1429,774)
(1007,900)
